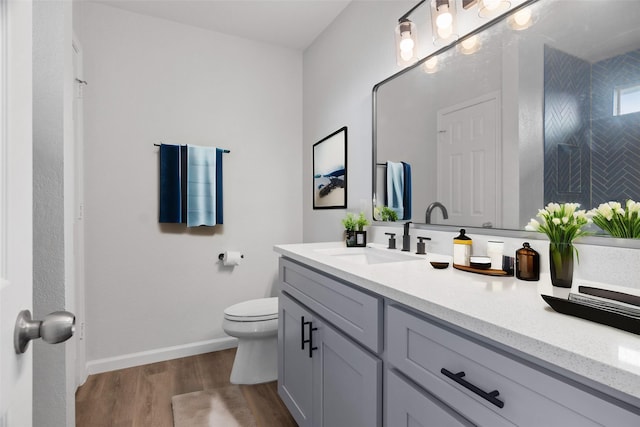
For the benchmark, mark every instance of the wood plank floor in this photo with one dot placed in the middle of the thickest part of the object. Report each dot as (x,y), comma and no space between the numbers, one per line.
(141,396)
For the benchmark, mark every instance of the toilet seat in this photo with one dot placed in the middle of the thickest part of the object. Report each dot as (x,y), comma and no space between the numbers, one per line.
(256,310)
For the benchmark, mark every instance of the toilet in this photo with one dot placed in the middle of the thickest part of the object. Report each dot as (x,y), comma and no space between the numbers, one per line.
(255,324)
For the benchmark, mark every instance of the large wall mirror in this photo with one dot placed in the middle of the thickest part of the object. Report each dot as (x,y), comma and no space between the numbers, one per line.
(546,113)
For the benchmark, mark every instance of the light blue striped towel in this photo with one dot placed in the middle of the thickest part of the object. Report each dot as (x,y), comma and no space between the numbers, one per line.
(395,187)
(201,186)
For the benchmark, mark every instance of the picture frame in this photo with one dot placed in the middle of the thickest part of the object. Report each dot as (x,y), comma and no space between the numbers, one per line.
(330,171)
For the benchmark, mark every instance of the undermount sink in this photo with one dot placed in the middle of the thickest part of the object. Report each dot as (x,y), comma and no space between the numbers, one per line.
(369,255)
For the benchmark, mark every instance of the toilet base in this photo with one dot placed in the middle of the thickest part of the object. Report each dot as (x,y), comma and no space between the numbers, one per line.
(256,361)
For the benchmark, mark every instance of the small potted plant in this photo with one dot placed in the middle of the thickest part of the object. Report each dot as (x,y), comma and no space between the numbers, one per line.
(385,213)
(354,230)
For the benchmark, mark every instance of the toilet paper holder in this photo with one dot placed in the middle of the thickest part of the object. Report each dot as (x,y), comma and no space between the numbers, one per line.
(221,256)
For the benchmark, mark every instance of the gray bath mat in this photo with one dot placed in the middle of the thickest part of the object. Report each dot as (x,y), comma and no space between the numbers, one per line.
(219,407)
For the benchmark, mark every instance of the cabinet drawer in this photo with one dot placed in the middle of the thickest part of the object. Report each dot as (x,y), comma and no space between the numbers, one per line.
(409,406)
(455,368)
(353,312)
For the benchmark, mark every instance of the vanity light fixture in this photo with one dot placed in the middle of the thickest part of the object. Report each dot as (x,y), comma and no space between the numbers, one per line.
(521,20)
(443,22)
(430,66)
(469,45)
(406,42)
(491,8)
(487,8)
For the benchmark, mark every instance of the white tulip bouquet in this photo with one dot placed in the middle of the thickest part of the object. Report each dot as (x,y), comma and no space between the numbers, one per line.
(618,221)
(562,223)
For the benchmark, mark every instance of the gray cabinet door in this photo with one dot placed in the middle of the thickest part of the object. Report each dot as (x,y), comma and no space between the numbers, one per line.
(350,382)
(336,383)
(295,367)
(409,406)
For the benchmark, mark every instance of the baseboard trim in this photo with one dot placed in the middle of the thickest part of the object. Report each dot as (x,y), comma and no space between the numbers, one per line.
(159,355)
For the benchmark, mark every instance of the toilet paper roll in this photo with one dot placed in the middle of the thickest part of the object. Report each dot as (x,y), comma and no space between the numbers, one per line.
(231,258)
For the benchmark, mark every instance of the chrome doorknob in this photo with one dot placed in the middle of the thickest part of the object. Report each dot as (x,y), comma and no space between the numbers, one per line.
(56,327)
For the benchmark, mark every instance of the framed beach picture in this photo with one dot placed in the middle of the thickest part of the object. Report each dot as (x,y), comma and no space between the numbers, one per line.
(330,171)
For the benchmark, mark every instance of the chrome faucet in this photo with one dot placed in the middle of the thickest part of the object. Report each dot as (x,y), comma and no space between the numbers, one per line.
(431,207)
(406,239)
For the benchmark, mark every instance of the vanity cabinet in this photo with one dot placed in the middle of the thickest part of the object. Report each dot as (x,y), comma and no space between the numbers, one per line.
(486,386)
(338,340)
(325,378)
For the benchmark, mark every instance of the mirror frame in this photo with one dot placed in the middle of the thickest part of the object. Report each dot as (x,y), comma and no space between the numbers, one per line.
(597,240)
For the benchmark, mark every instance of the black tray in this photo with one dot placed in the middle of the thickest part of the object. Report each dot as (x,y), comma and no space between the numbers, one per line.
(619,321)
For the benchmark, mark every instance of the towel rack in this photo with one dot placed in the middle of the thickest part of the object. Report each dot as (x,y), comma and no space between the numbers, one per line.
(224,151)
(381,164)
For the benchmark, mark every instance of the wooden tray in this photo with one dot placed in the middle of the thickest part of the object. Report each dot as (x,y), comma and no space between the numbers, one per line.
(616,320)
(485,271)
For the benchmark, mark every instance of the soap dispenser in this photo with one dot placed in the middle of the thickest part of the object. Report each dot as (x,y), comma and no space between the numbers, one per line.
(527,263)
(462,249)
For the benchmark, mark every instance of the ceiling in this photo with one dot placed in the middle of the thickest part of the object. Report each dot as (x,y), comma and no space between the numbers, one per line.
(289,23)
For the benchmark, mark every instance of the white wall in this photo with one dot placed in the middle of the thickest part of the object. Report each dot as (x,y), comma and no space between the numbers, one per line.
(340,69)
(152,291)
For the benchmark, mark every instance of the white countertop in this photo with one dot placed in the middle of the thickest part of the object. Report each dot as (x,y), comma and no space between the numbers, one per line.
(503,309)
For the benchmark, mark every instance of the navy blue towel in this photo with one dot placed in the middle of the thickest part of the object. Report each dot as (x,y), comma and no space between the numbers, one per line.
(170,184)
(219,186)
(407,190)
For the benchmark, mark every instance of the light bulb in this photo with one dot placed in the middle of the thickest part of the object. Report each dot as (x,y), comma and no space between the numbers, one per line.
(444,19)
(445,33)
(522,17)
(491,8)
(406,55)
(407,43)
(470,43)
(491,4)
(431,65)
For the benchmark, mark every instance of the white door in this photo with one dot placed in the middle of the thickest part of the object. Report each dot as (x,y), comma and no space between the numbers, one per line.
(15,207)
(468,162)
(78,218)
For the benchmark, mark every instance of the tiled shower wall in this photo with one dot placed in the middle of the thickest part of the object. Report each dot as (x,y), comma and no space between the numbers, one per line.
(615,140)
(567,139)
(591,156)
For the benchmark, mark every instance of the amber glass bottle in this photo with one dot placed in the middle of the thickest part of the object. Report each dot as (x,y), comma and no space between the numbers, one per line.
(527,263)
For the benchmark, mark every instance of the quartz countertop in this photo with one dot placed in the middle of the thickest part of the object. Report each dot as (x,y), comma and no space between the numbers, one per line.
(503,309)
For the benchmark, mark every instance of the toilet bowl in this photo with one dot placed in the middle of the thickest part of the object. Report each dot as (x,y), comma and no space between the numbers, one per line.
(255,324)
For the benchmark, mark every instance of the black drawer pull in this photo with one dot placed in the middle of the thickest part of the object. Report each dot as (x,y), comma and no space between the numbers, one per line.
(491,396)
(310,340)
(302,340)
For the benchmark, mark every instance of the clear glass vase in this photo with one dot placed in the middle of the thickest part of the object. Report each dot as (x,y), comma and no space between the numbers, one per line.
(561,264)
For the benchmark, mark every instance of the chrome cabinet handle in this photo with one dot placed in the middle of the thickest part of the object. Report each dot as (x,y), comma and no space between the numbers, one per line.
(491,396)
